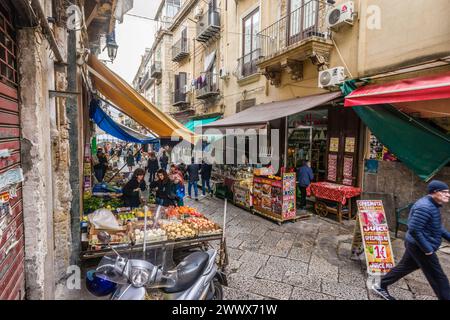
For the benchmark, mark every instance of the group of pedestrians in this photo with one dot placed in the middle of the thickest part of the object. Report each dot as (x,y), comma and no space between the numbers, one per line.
(169,183)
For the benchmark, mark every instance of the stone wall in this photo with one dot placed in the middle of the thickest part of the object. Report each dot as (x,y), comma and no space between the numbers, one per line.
(34,66)
(397,186)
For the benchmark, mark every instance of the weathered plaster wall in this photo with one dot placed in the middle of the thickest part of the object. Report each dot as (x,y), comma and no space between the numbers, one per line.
(34,67)
(395,179)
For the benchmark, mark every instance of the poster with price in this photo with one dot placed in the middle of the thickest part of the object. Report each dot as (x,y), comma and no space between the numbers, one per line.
(348,171)
(375,236)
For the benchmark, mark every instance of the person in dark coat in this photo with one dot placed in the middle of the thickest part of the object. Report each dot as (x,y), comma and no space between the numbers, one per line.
(130,161)
(165,190)
(193,171)
(205,172)
(164,161)
(152,167)
(131,196)
(423,239)
(305,176)
(102,166)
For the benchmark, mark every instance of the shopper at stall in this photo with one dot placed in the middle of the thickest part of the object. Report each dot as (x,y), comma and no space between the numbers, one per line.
(423,239)
(101,165)
(179,188)
(138,157)
(165,192)
(164,161)
(193,171)
(130,161)
(131,195)
(205,172)
(305,176)
(152,167)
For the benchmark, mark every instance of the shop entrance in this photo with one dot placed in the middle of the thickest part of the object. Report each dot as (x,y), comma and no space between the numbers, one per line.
(307,140)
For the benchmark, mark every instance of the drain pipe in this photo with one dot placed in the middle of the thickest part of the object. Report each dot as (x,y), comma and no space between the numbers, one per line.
(35,4)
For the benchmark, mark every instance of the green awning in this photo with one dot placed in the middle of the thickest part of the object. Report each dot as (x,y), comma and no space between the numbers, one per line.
(422,148)
(192,124)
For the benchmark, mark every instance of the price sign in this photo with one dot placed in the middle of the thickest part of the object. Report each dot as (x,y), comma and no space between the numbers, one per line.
(375,236)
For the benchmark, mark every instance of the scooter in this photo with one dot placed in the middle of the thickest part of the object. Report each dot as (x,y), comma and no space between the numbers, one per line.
(196,277)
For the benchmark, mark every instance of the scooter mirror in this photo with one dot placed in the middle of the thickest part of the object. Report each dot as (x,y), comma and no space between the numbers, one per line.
(104,237)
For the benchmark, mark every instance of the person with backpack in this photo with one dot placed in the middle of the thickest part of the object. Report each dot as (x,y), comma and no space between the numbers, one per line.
(205,172)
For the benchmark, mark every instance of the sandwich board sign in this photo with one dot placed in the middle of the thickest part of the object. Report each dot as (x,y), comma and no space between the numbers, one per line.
(375,237)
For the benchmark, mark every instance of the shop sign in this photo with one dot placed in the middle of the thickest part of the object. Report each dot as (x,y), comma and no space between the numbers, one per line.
(334,144)
(11,177)
(375,236)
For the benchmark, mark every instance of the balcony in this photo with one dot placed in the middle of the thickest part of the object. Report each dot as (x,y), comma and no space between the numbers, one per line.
(247,65)
(180,98)
(156,70)
(180,50)
(297,37)
(207,86)
(208,26)
(146,81)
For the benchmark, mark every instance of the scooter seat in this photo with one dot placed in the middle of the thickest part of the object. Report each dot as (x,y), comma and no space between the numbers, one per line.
(188,271)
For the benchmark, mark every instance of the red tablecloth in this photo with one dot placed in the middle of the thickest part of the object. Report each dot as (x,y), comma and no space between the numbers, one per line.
(333,191)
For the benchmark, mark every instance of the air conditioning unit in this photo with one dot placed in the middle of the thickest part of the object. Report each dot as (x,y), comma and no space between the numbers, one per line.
(198,12)
(331,77)
(224,74)
(341,14)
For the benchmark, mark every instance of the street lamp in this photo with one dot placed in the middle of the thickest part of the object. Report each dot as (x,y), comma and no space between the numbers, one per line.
(112,46)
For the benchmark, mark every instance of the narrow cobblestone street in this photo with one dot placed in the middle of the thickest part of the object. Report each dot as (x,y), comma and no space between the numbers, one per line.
(305,260)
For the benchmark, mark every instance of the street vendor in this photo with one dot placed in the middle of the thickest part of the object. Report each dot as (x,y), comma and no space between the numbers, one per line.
(305,176)
(131,196)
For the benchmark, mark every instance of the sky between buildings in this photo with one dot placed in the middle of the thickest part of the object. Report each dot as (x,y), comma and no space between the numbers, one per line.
(133,36)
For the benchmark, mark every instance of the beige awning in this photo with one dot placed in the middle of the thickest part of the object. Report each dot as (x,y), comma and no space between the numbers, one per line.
(261,114)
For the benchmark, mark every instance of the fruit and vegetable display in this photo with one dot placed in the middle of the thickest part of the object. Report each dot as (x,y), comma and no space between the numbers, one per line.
(92,203)
(179,230)
(150,235)
(175,223)
(203,225)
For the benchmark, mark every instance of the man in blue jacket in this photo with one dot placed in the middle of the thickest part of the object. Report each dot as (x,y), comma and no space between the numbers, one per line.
(423,239)
(304,177)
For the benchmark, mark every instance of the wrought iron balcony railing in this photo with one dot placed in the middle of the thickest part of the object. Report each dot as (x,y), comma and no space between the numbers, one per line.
(208,26)
(247,64)
(303,23)
(207,85)
(156,69)
(180,50)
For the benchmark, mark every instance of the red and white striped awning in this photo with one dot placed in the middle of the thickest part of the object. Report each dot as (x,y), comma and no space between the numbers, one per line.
(428,96)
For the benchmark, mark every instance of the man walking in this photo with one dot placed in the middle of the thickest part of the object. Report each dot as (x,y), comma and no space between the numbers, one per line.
(205,173)
(193,174)
(304,176)
(423,239)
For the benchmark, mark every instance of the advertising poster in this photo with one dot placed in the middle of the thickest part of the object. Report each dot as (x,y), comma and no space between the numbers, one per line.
(348,171)
(332,167)
(349,144)
(375,236)
(289,195)
(334,144)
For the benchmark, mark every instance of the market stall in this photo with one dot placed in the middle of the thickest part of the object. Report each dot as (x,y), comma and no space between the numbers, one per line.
(332,198)
(179,227)
(275,197)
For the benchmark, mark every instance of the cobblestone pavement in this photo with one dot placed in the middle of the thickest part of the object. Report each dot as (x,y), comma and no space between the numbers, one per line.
(305,260)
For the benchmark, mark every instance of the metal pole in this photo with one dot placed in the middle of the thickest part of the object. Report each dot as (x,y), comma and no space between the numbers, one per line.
(145,229)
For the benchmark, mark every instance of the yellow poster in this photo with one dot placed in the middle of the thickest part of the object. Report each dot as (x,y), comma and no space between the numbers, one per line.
(334,144)
(375,236)
(350,144)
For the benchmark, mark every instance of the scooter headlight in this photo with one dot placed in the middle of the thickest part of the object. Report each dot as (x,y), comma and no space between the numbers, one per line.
(139,277)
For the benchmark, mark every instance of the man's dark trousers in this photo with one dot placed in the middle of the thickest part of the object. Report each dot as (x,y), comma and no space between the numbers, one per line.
(413,259)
